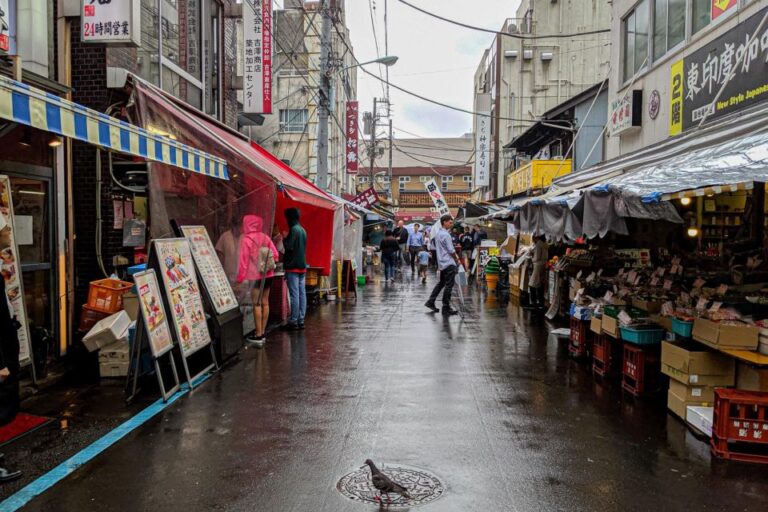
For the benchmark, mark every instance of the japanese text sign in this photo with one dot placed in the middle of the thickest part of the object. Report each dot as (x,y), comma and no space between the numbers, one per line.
(626,113)
(111,22)
(366,198)
(437,197)
(736,62)
(257,50)
(351,129)
(482,149)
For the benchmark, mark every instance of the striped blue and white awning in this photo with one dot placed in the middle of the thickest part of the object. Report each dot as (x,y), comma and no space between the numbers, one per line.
(36,108)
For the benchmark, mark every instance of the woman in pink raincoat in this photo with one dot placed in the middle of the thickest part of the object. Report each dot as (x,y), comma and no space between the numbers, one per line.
(257,268)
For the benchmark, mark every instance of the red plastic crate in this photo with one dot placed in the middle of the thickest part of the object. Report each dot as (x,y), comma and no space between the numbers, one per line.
(106,295)
(641,368)
(580,339)
(603,355)
(740,425)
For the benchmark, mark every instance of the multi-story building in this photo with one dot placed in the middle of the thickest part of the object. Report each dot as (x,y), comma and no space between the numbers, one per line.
(414,163)
(673,59)
(290,132)
(525,73)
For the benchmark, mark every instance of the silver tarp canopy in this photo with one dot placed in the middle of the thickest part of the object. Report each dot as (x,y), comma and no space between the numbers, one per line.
(730,153)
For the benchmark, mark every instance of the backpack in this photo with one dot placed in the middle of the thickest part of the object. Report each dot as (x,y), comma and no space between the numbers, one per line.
(266,260)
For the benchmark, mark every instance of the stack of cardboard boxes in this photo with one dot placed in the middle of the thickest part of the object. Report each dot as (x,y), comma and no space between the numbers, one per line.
(694,372)
(110,337)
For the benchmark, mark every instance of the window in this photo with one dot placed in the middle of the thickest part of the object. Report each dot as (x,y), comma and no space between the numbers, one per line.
(668,26)
(213,60)
(293,120)
(445,181)
(468,179)
(404,180)
(423,179)
(701,14)
(362,179)
(636,40)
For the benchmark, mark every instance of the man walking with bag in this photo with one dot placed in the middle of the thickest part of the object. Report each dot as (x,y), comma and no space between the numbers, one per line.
(448,263)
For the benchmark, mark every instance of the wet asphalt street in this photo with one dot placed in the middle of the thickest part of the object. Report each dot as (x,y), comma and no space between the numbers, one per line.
(491,404)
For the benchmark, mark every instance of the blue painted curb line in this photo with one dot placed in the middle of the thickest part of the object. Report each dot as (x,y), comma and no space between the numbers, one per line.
(60,472)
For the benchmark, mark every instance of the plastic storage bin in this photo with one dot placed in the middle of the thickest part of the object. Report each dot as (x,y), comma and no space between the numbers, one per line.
(682,328)
(641,336)
(106,295)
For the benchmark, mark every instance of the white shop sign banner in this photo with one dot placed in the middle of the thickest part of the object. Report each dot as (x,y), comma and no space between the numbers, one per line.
(437,198)
(482,149)
(111,22)
(257,51)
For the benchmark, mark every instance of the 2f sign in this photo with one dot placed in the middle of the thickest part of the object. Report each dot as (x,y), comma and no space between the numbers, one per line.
(676,98)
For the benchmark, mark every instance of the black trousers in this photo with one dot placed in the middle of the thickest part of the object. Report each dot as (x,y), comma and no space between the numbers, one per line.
(414,252)
(447,278)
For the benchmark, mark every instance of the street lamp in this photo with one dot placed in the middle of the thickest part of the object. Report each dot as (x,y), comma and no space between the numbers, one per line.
(387,60)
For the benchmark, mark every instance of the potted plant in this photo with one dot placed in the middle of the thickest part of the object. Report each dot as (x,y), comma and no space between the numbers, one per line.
(492,273)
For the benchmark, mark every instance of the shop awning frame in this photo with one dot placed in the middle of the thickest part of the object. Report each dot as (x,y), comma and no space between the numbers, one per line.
(38,109)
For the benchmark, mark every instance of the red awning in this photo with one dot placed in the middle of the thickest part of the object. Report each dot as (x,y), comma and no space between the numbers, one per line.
(295,185)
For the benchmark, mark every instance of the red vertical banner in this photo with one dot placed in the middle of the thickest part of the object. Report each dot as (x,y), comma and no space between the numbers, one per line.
(720,7)
(351,135)
(266,57)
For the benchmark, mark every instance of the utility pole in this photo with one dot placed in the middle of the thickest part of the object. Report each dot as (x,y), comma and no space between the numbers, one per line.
(391,194)
(372,154)
(325,95)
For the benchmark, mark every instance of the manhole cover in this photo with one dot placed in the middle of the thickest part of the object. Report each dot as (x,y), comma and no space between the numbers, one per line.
(423,486)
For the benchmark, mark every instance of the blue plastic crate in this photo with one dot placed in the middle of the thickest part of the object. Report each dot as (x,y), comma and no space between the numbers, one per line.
(682,328)
(137,268)
(642,336)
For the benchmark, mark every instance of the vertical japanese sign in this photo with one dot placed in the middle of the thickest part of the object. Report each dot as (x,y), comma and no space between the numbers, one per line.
(10,269)
(153,312)
(482,149)
(720,7)
(211,271)
(257,47)
(676,98)
(437,198)
(736,63)
(366,198)
(5,26)
(183,293)
(111,21)
(352,134)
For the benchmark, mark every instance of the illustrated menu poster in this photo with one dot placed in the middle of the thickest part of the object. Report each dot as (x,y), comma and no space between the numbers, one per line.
(210,268)
(183,292)
(10,268)
(153,312)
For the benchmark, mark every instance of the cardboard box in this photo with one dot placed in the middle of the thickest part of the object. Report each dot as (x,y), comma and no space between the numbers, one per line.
(107,331)
(117,352)
(650,306)
(664,321)
(692,393)
(678,405)
(743,337)
(131,305)
(596,325)
(114,369)
(700,418)
(689,364)
(750,378)
(610,326)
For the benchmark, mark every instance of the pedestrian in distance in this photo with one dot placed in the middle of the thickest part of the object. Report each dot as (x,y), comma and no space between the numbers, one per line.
(467,245)
(448,263)
(402,234)
(415,243)
(295,265)
(9,358)
(423,256)
(390,250)
(258,257)
(538,275)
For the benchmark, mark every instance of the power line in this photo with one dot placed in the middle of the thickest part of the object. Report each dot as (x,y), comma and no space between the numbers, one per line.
(514,36)
(465,162)
(435,148)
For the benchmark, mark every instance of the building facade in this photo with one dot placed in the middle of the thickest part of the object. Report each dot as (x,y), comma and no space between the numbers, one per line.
(674,59)
(414,163)
(524,73)
(290,132)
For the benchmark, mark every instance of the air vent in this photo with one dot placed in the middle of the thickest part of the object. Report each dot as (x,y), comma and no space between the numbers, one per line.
(511,54)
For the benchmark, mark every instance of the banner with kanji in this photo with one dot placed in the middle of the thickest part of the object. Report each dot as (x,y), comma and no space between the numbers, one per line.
(366,198)
(257,56)
(437,197)
(351,136)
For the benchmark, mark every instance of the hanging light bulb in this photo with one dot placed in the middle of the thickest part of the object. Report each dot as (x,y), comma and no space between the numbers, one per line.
(685,201)
(693,231)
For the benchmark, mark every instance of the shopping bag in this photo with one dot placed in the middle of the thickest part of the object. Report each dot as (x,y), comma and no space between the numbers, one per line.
(461,276)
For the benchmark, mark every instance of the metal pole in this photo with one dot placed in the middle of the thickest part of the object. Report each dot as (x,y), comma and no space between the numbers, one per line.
(372,154)
(391,193)
(324,97)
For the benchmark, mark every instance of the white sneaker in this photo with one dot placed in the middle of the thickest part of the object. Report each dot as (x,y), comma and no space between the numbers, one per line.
(255,342)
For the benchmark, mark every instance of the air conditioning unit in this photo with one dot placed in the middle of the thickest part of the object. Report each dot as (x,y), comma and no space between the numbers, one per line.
(547,56)
(527,54)
(513,29)
(511,54)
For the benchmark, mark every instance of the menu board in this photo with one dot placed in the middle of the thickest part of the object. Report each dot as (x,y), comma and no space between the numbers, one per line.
(153,312)
(210,268)
(10,268)
(183,293)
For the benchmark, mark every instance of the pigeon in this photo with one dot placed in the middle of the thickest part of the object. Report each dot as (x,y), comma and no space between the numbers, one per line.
(384,484)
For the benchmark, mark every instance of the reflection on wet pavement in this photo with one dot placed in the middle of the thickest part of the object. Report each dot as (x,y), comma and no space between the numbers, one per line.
(490,403)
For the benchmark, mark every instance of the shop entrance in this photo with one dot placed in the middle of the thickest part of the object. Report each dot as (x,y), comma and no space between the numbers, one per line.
(32,193)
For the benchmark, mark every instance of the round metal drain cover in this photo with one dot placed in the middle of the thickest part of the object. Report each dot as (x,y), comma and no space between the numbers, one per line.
(423,486)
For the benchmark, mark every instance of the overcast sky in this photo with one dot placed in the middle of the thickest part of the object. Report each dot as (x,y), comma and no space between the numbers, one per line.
(437,59)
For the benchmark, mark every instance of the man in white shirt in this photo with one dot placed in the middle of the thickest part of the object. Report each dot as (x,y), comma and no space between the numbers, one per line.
(448,263)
